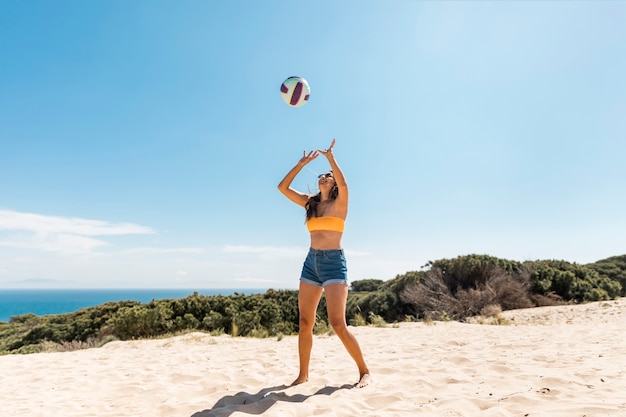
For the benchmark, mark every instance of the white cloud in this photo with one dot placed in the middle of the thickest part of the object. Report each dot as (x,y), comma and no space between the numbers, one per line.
(38,223)
(151,250)
(278,251)
(59,234)
(70,252)
(353,253)
(287,252)
(55,242)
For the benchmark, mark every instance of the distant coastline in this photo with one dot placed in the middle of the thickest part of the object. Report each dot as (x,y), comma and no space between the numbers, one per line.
(15,302)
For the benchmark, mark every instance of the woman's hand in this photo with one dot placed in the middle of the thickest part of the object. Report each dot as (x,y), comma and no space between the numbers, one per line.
(306,158)
(284,187)
(329,151)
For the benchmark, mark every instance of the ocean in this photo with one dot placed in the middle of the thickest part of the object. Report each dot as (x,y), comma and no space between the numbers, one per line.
(42,302)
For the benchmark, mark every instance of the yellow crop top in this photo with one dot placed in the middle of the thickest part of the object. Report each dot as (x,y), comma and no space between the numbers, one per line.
(335,224)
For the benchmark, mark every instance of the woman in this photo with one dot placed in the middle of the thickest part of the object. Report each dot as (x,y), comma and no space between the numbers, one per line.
(325,266)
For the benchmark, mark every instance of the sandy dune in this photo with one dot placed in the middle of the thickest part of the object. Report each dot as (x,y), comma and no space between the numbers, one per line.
(567,361)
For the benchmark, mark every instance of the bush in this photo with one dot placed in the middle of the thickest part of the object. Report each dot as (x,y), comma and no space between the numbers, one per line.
(455,295)
(614,269)
(366,285)
(473,271)
(382,303)
(571,281)
(141,321)
(448,289)
(429,296)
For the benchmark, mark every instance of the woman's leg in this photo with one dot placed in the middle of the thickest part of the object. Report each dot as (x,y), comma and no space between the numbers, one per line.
(336,297)
(308,299)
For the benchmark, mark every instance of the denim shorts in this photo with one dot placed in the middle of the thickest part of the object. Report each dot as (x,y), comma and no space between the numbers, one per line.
(324,267)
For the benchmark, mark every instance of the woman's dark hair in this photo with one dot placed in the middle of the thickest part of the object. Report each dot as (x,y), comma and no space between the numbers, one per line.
(314,200)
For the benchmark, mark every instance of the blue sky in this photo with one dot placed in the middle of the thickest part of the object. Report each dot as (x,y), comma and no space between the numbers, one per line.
(142,142)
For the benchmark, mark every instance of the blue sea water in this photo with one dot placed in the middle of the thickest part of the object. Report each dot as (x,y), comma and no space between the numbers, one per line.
(44,301)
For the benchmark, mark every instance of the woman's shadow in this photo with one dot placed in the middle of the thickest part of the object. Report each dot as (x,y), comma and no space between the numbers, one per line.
(260,402)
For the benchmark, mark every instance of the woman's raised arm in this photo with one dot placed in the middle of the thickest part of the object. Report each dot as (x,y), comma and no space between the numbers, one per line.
(285,185)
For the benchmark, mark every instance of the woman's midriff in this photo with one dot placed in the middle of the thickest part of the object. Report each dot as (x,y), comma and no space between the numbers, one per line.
(326,240)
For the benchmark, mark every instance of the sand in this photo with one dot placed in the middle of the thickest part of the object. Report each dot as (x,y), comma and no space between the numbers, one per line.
(565,361)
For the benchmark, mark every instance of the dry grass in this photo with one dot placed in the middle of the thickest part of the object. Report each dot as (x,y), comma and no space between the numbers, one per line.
(358,320)
(491,310)
(48,346)
(376,320)
(433,298)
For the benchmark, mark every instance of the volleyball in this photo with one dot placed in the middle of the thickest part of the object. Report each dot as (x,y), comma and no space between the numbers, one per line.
(295,91)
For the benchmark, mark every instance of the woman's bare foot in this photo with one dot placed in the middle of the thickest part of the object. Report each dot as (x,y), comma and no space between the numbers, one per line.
(364,381)
(300,380)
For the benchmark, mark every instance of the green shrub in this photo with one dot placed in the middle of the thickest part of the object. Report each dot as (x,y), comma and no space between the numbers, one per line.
(141,321)
(446,289)
(571,281)
(366,285)
(614,269)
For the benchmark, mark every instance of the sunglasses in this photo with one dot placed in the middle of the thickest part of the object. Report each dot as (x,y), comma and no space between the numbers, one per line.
(326,175)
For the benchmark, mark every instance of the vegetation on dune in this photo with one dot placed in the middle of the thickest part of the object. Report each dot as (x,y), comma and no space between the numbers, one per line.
(614,269)
(446,289)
